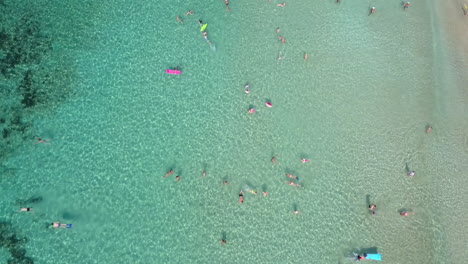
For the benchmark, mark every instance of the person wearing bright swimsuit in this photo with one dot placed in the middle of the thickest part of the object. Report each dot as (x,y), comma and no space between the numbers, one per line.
(363,257)
(59,225)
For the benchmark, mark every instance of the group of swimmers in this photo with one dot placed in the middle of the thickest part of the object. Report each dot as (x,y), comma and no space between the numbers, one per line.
(411,173)
(252,110)
(54,224)
(29,209)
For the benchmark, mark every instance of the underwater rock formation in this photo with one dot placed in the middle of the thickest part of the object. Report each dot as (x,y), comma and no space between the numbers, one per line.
(10,241)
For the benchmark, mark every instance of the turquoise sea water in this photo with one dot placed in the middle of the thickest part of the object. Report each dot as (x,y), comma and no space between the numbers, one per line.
(357,108)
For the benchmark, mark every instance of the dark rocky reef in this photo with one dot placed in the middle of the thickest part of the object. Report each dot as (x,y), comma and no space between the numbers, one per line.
(10,240)
(35,79)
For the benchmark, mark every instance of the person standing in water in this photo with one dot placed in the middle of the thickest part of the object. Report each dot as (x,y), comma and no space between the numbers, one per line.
(372,10)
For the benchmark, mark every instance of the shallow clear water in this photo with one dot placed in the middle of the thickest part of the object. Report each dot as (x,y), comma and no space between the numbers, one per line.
(357,108)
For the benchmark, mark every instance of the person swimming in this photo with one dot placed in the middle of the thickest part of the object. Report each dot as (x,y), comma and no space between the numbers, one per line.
(169,173)
(273,159)
(406,5)
(305,160)
(358,257)
(251,110)
(292,184)
(246,88)
(190,12)
(372,11)
(59,225)
(25,209)
(292,177)
(406,213)
(241,197)
(205,36)
(411,173)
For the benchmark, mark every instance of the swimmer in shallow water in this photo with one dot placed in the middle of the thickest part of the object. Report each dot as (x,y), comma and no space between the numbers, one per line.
(292,177)
(406,5)
(281,5)
(40,140)
(190,12)
(292,184)
(27,209)
(169,173)
(241,197)
(247,88)
(406,213)
(411,173)
(273,159)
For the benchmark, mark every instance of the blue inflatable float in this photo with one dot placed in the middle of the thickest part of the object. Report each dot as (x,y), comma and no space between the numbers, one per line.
(374,257)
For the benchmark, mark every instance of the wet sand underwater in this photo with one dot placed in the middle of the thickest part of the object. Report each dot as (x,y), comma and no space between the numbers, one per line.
(358,107)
